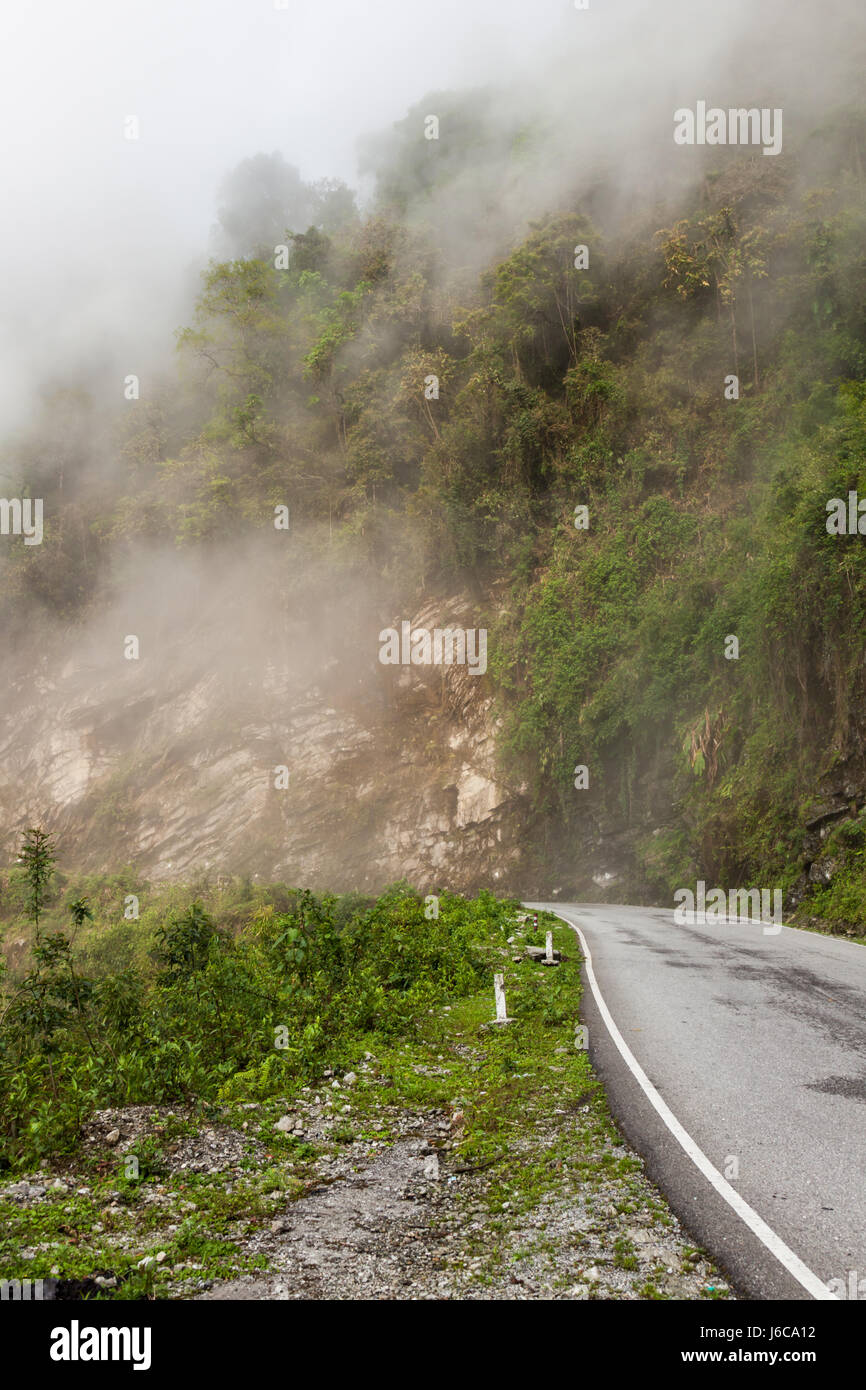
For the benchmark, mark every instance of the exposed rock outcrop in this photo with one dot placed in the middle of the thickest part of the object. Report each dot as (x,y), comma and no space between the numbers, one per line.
(170,761)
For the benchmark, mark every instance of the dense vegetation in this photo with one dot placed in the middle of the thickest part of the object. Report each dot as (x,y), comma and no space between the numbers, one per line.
(605,387)
(241,993)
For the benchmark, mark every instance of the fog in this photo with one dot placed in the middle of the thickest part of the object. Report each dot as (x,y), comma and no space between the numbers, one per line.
(103,236)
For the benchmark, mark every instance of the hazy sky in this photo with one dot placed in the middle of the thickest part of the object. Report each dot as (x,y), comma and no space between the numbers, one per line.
(100,234)
(98,231)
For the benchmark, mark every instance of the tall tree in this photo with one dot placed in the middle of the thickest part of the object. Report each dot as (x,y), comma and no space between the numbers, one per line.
(37,857)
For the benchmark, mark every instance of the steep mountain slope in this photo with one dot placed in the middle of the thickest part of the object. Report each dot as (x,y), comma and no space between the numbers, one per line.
(614,451)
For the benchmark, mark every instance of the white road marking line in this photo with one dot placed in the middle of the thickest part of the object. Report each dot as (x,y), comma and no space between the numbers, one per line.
(756,1224)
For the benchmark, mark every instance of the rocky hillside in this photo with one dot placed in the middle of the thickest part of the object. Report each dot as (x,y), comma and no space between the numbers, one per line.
(171,764)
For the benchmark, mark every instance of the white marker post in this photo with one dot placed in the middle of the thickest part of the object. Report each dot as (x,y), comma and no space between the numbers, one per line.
(499,989)
(548,944)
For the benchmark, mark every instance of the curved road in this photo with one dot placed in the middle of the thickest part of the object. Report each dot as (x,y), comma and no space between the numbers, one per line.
(735,1062)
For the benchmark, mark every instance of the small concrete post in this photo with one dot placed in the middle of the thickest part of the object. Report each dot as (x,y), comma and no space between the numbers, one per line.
(498,986)
(548,948)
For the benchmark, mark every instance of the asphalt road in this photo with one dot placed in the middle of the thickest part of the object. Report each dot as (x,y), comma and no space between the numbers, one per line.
(735,1063)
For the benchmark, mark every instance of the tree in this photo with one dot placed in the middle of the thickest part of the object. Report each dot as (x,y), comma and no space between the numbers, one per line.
(183,941)
(539,299)
(264,199)
(334,205)
(37,858)
(715,254)
(260,200)
(237,330)
(80,912)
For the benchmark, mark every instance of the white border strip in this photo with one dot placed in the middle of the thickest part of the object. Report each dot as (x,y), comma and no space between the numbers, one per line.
(776,1246)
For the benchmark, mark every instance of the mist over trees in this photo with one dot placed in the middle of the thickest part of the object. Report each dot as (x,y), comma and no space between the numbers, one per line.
(264,199)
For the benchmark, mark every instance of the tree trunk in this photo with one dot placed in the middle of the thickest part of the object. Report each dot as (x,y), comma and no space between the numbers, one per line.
(754,339)
(734,337)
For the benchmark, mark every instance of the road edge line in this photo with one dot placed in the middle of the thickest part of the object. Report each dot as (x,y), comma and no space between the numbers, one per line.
(756,1224)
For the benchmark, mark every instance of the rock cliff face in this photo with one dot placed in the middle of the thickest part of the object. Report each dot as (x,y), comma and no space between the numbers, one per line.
(258,733)
(171,761)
